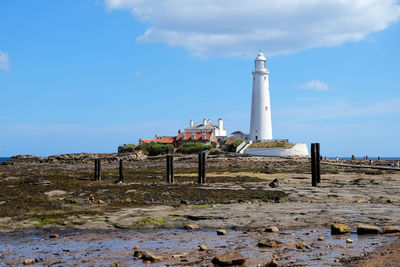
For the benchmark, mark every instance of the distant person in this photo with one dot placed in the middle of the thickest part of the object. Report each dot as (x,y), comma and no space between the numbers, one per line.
(379,158)
(337,159)
(370,162)
(392,164)
(362,164)
(398,164)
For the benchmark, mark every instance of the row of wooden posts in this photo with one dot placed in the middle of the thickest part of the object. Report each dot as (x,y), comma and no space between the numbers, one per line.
(315,167)
(170,169)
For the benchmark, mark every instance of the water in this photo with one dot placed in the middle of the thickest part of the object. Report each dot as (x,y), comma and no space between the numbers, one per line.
(4,159)
(373,158)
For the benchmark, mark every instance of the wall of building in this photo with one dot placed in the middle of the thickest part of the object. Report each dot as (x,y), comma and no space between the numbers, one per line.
(299,150)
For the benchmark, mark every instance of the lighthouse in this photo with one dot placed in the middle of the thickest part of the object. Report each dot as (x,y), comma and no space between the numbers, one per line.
(260,123)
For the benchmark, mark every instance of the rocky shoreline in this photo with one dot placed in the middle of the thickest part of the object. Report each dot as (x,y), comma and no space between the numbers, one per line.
(241,194)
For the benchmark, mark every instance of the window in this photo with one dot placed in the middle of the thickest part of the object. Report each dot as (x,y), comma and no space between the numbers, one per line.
(265,77)
(256,137)
(266,107)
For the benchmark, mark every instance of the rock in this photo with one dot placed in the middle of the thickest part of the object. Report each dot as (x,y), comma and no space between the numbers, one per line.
(269,243)
(54,236)
(272,263)
(339,229)
(301,245)
(115,264)
(136,247)
(342,246)
(54,193)
(321,238)
(202,247)
(221,232)
(362,201)
(271,229)
(30,261)
(146,256)
(84,260)
(348,240)
(274,183)
(391,229)
(42,182)
(101,201)
(231,258)
(363,229)
(191,226)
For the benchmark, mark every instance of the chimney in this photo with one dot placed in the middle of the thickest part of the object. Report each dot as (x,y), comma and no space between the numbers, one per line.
(204,122)
(220,124)
(191,123)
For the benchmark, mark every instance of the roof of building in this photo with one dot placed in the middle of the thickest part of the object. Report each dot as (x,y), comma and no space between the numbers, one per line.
(193,136)
(238,132)
(228,141)
(165,139)
(160,139)
(209,126)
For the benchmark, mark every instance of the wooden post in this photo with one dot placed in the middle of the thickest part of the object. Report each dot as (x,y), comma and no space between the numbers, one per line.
(168,169)
(171,168)
(95,169)
(98,170)
(200,179)
(121,175)
(313,165)
(203,167)
(318,163)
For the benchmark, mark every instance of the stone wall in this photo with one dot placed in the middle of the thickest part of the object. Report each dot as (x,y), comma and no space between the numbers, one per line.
(299,150)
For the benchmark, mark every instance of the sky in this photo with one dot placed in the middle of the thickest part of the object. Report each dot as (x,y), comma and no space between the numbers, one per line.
(90,75)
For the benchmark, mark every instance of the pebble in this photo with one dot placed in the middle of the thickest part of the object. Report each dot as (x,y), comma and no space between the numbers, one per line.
(321,238)
(390,229)
(54,236)
(271,229)
(342,246)
(202,247)
(349,240)
(101,201)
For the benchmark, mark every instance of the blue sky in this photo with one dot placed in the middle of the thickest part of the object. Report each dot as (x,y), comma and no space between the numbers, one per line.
(87,76)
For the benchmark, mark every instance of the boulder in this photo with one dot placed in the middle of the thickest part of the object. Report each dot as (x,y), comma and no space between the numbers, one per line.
(272,263)
(271,229)
(232,258)
(191,226)
(146,256)
(30,261)
(269,243)
(202,247)
(390,229)
(221,232)
(54,193)
(339,229)
(364,229)
(274,183)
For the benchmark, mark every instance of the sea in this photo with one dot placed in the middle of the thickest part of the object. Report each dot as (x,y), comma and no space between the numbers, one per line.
(4,159)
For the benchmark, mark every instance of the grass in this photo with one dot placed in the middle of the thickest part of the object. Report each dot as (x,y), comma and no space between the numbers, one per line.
(274,144)
(151,221)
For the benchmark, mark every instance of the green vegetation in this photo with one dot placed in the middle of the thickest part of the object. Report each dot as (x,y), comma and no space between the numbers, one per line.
(205,206)
(273,144)
(192,148)
(235,143)
(45,221)
(129,148)
(150,221)
(155,149)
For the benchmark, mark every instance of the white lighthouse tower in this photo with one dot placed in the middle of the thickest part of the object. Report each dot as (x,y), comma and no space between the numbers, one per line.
(260,124)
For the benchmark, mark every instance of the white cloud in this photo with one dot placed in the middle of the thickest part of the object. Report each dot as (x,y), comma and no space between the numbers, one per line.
(315,85)
(241,27)
(4,61)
